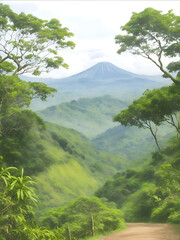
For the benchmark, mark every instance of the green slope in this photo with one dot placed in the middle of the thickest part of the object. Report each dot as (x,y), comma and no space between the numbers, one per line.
(75,168)
(131,142)
(90,116)
(150,192)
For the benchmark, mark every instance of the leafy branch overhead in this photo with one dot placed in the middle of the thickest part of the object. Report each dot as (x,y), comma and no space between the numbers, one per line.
(153,35)
(29,44)
(153,109)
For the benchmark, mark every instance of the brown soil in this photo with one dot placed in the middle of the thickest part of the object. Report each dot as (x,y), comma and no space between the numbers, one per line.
(144,231)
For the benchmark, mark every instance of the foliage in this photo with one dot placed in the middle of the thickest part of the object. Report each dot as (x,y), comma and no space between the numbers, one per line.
(77,217)
(27,44)
(123,185)
(154,108)
(153,35)
(63,162)
(157,106)
(30,44)
(17,198)
(132,142)
(76,169)
(89,116)
(15,119)
(150,193)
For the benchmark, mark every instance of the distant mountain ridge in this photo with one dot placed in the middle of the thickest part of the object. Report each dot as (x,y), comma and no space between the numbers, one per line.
(103,70)
(101,79)
(89,116)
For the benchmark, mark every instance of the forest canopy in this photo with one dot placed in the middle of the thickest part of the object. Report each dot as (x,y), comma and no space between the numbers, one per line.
(29,44)
(153,35)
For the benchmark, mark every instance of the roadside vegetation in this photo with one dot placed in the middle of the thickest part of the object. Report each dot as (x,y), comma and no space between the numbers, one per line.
(62,166)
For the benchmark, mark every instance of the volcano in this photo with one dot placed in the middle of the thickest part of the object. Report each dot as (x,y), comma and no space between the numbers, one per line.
(101,79)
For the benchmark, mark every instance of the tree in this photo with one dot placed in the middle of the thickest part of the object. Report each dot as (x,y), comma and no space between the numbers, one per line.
(15,95)
(153,109)
(29,44)
(138,114)
(153,35)
(83,217)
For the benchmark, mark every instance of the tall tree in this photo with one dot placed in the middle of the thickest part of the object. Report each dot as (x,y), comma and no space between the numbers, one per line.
(153,35)
(138,114)
(153,109)
(29,44)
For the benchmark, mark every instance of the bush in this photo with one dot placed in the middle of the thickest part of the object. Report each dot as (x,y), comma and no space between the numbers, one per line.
(79,217)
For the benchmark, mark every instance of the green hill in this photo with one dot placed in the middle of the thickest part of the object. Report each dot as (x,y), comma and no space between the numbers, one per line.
(150,192)
(78,168)
(62,161)
(131,142)
(90,116)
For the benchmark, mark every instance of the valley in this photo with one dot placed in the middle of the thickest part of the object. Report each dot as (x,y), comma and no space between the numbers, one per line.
(82,155)
(75,149)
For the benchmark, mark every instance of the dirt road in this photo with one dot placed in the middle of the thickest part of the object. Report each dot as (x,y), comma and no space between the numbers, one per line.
(144,231)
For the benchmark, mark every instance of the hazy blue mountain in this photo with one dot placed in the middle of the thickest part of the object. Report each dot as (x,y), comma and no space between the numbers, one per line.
(102,78)
(90,116)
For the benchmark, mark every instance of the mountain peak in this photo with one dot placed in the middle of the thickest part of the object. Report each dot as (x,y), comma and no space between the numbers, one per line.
(103,70)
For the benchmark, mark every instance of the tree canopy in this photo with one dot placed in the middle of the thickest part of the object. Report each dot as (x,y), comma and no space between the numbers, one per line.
(153,35)
(153,109)
(29,44)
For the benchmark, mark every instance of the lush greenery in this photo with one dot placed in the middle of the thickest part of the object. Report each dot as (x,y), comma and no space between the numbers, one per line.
(17,198)
(78,169)
(153,35)
(82,218)
(131,142)
(151,192)
(30,44)
(153,109)
(90,116)
(63,162)
(27,44)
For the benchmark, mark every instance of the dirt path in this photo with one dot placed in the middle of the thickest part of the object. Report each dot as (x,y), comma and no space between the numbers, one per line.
(144,231)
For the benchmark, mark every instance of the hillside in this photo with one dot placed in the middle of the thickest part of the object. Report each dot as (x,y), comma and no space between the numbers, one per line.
(150,192)
(131,142)
(90,116)
(101,79)
(63,163)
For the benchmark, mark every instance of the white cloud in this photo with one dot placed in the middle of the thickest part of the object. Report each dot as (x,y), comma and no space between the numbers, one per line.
(95,24)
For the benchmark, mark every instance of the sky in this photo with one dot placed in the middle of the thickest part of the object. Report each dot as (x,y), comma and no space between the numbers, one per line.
(95,25)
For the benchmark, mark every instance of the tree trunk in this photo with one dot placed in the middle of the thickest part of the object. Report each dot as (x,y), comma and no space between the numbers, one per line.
(155,138)
(69,233)
(92,225)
